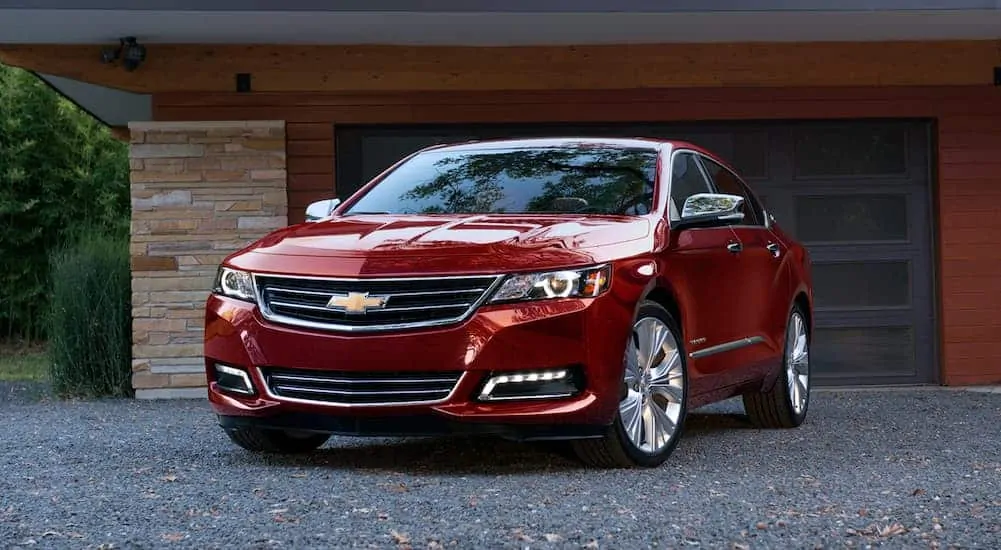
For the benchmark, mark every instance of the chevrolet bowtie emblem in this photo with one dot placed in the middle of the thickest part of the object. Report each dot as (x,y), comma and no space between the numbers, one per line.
(356,302)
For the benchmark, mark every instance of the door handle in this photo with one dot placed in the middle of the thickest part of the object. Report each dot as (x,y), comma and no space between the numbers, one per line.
(734,247)
(774,249)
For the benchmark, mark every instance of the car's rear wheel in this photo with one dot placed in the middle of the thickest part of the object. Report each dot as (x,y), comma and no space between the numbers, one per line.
(785,405)
(654,398)
(263,440)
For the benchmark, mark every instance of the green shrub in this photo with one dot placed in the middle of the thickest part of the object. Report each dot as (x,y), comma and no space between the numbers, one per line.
(90,327)
(60,171)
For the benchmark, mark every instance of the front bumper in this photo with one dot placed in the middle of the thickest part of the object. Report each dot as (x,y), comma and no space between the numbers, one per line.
(585,334)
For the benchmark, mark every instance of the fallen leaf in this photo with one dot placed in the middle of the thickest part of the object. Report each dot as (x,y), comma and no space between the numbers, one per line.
(173,537)
(300,475)
(741,546)
(397,487)
(520,535)
(552,537)
(399,538)
(918,492)
(892,530)
(761,526)
(169,478)
(591,545)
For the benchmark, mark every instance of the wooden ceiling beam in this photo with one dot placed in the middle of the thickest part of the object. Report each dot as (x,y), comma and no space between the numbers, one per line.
(288,68)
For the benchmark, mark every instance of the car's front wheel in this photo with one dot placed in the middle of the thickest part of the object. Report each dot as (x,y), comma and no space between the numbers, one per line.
(654,394)
(263,440)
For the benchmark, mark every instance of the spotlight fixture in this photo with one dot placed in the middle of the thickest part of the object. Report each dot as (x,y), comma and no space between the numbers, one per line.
(131,53)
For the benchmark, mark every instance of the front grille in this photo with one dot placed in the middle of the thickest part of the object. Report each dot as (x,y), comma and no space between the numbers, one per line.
(386,303)
(360,388)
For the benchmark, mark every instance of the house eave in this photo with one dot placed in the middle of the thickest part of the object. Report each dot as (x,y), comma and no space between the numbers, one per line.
(503,27)
(510,6)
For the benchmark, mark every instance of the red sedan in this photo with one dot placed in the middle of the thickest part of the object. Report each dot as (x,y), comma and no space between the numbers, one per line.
(591,290)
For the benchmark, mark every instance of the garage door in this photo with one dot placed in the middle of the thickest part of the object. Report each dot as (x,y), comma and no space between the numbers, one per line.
(855,193)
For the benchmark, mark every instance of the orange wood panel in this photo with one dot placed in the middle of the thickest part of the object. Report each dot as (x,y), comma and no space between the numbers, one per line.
(294,68)
(310,165)
(311,148)
(308,131)
(969,189)
(310,182)
(975,379)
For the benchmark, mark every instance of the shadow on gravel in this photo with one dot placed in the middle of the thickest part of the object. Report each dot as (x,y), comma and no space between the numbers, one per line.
(706,424)
(454,455)
(464,455)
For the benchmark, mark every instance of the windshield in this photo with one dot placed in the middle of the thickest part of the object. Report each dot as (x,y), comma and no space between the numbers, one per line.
(517,181)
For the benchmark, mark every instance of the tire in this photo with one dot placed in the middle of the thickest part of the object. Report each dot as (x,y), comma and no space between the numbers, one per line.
(663,387)
(775,408)
(262,440)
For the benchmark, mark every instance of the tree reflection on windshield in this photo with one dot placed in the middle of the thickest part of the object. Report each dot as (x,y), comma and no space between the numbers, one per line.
(602,180)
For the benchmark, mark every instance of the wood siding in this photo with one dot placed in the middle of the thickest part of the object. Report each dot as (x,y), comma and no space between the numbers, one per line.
(968,150)
(327,68)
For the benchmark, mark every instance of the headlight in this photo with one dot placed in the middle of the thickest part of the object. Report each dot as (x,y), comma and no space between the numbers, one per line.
(235,284)
(579,283)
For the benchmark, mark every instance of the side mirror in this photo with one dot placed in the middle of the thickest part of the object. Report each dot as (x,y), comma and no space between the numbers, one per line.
(321,209)
(709,208)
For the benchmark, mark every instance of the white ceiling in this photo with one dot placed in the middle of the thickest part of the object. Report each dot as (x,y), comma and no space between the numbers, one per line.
(489,29)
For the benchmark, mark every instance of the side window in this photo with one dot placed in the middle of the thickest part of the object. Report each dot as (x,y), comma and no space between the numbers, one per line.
(686,180)
(726,182)
(759,211)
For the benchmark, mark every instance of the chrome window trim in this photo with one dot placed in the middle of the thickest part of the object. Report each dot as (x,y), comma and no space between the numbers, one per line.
(665,213)
(285,320)
(341,405)
(744,187)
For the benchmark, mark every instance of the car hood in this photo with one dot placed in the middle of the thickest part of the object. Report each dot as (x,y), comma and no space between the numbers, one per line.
(378,244)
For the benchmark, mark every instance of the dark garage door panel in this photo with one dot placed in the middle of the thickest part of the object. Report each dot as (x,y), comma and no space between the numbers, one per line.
(855,192)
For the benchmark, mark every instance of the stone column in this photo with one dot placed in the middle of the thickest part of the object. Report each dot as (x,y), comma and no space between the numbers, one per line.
(200,190)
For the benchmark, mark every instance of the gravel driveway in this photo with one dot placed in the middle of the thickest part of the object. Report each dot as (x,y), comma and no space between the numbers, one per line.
(900,469)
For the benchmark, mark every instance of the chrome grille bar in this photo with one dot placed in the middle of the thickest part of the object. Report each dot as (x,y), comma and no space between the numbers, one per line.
(383,310)
(362,388)
(387,304)
(301,378)
(325,391)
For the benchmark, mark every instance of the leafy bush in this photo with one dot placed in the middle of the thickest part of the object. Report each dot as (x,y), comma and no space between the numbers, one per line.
(60,171)
(90,331)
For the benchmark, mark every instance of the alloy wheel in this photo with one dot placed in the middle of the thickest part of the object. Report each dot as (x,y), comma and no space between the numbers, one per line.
(797,363)
(654,386)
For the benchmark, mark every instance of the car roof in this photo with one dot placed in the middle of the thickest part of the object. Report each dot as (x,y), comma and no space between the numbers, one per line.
(557,142)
